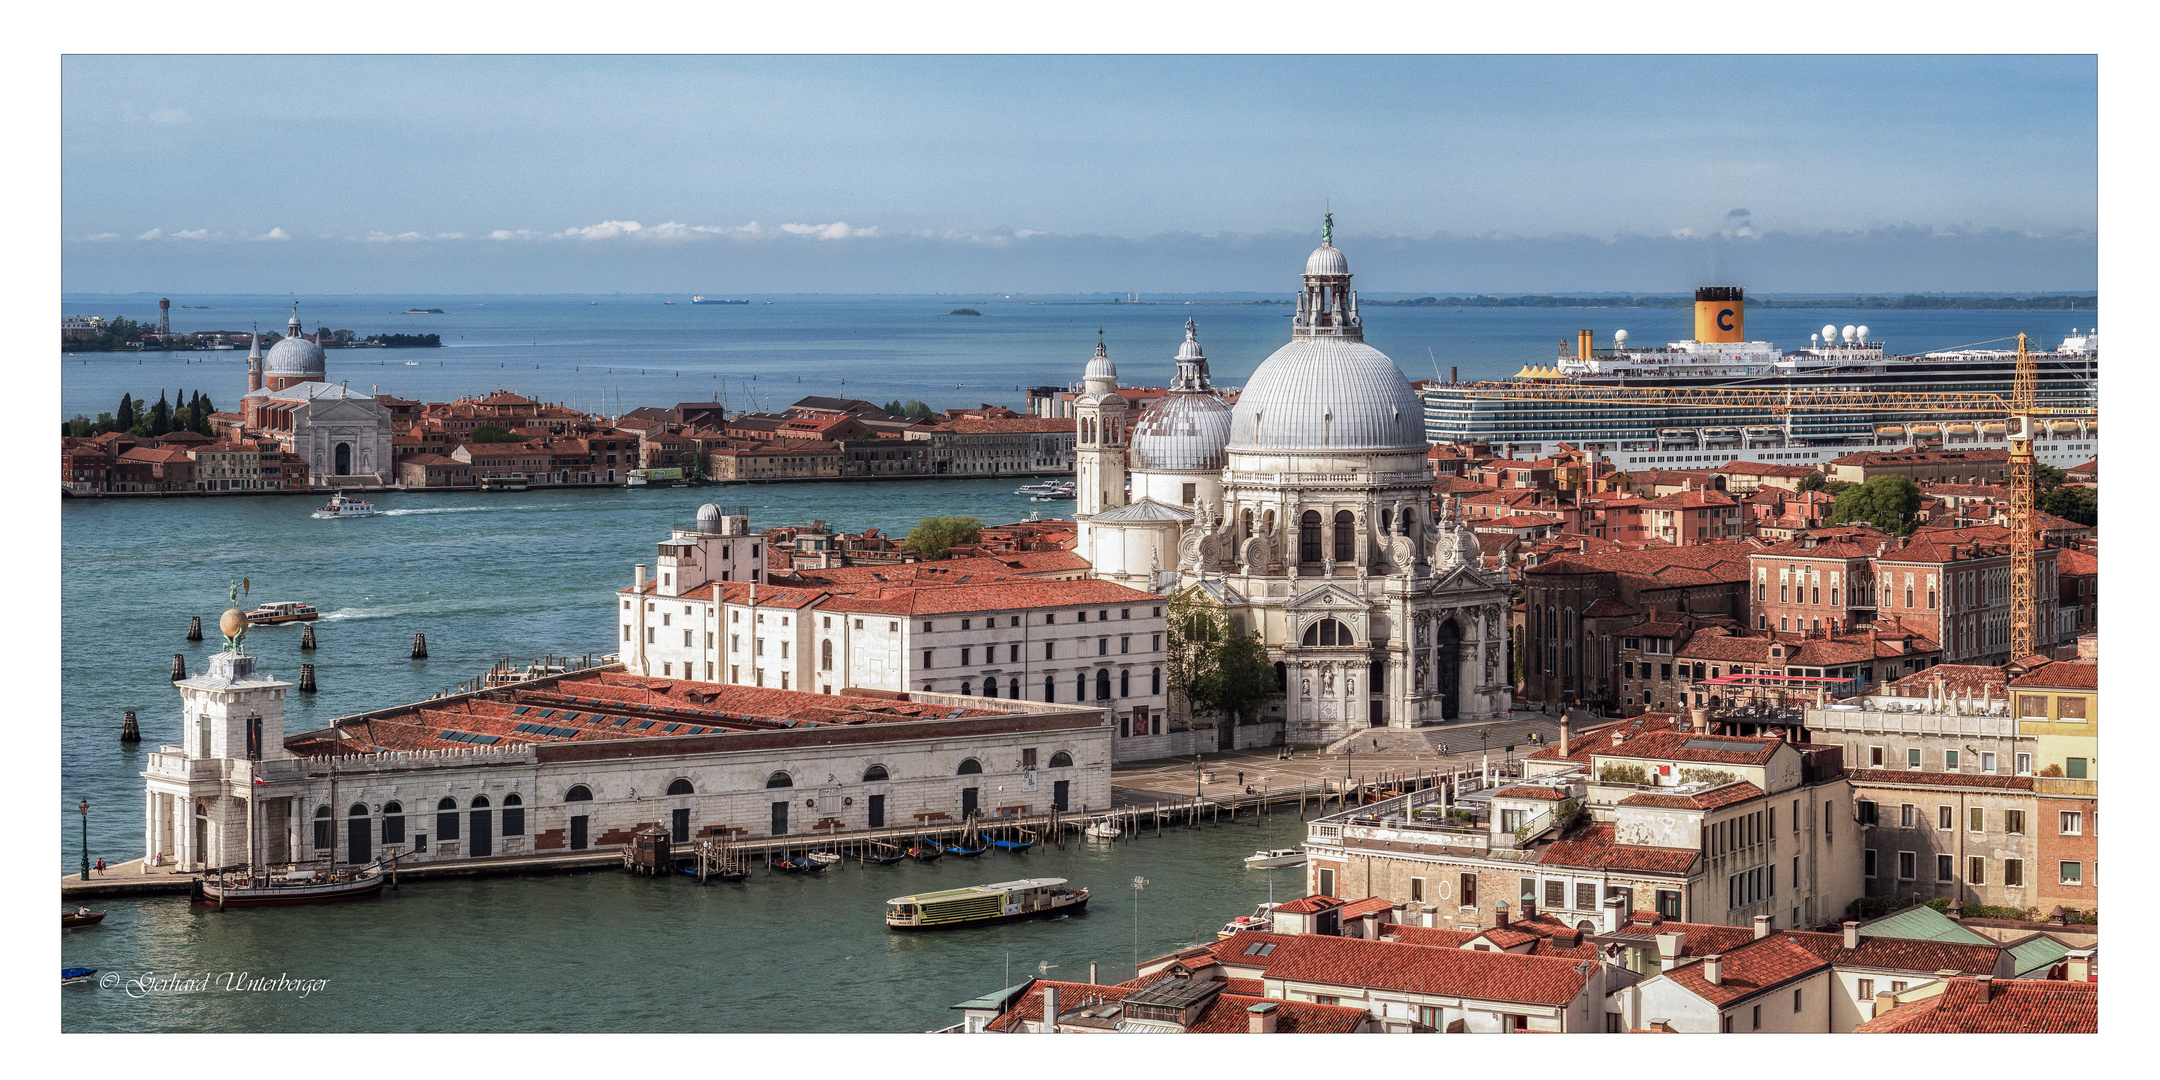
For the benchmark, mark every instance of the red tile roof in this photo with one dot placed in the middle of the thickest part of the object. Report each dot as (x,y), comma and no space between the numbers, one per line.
(1593,847)
(1997,1007)
(1749,970)
(1531,791)
(1673,746)
(1427,935)
(1227,1014)
(1306,905)
(2062,675)
(1900,777)
(1399,966)
(1708,800)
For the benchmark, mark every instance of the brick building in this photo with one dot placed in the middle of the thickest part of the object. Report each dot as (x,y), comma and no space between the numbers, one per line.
(1922,466)
(1575,607)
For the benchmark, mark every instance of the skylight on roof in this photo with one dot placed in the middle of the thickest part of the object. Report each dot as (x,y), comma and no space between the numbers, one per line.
(1722,746)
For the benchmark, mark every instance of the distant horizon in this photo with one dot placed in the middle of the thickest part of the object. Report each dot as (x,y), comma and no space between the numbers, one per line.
(1145,296)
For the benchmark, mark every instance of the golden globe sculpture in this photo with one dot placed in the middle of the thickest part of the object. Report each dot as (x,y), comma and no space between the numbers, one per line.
(234,626)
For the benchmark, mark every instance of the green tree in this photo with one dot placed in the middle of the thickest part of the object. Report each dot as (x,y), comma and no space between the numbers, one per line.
(1835,488)
(932,537)
(2079,504)
(1886,502)
(160,416)
(489,433)
(1214,666)
(208,407)
(1813,481)
(125,419)
(2047,477)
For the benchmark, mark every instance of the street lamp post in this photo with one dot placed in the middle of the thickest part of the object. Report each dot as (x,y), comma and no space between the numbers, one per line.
(83,808)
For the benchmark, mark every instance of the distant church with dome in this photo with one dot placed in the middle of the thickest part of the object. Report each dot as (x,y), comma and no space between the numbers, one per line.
(343,434)
(1305,510)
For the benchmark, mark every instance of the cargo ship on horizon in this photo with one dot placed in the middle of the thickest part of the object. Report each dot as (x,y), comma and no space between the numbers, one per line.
(1719,356)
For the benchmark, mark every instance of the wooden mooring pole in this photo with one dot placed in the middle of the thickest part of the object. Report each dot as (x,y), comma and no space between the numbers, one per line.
(307,678)
(307,638)
(128,731)
(179,667)
(419,646)
(194,628)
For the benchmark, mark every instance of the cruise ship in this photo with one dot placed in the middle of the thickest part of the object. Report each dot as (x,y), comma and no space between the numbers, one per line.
(1653,435)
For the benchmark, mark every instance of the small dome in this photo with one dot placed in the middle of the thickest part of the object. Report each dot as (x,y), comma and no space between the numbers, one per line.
(1182,431)
(1327,261)
(1100,367)
(708,512)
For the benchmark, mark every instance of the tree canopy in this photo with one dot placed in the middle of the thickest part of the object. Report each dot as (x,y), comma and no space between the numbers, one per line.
(909,408)
(1213,665)
(1886,502)
(2079,504)
(932,537)
(489,433)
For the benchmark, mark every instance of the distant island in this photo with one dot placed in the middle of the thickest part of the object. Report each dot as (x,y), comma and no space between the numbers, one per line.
(963,311)
(424,311)
(1889,303)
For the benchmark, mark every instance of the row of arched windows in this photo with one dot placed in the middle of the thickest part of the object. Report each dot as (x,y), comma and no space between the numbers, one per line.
(1080,685)
(877,773)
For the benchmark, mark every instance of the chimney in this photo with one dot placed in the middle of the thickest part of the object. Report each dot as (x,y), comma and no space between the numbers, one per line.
(1618,737)
(637,580)
(1451,374)
(2078,965)
(1050,1010)
(1884,1002)
(1699,718)
(1563,739)
(1262,1017)
(1668,947)
(1762,927)
(1430,916)
(1499,914)
(1852,933)
(1713,969)
(1529,908)
(1612,907)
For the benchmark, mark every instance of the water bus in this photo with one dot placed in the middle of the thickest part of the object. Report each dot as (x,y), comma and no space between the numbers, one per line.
(341,507)
(283,612)
(979,904)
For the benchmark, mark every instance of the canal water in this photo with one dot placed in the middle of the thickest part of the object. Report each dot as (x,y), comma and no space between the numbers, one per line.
(611,951)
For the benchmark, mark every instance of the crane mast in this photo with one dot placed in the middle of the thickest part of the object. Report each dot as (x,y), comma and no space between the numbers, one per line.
(2022,420)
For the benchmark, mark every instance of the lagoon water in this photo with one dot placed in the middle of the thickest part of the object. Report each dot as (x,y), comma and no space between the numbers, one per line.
(487,577)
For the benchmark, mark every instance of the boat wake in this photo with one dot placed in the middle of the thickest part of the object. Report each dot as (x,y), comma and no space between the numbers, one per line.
(436,510)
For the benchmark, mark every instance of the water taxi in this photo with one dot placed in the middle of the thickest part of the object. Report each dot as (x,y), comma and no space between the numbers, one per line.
(341,507)
(272,614)
(979,904)
(1261,920)
(1287,856)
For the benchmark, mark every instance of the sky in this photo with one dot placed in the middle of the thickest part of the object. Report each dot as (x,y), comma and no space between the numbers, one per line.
(465,174)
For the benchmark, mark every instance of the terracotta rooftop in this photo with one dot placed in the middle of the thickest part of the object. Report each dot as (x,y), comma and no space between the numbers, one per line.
(1684,746)
(1403,967)
(1593,847)
(1862,777)
(1708,800)
(2062,675)
(1227,1014)
(1996,1007)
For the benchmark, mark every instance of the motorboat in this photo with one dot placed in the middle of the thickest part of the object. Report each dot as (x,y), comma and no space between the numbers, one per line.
(978,904)
(77,975)
(341,507)
(1288,856)
(1102,830)
(282,612)
(1261,920)
(823,858)
(80,917)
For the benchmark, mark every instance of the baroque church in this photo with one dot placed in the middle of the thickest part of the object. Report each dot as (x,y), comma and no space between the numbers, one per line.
(1305,509)
(343,434)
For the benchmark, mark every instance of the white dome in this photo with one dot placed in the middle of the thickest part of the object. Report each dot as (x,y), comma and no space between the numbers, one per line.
(1181,431)
(1099,366)
(294,356)
(1322,393)
(1327,261)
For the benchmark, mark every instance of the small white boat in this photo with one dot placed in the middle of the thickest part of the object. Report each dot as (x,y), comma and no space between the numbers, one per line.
(412,363)
(282,612)
(341,507)
(822,858)
(1285,856)
(1103,830)
(1261,920)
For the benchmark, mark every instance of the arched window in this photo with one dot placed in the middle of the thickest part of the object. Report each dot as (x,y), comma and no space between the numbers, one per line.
(1061,760)
(1345,536)
(359,809)
(1386,519)
(322,826)
(1049,688)
(1124,683)
(1245,524)
(1102,684)
(1328,632)
(989,687)
(513,815)
(480,802)
(825,655)
(681,787)
(446,819)
(1309,537)
(874,774)
(966,687)
(779,780)
(1080,686)
(970,767)
(1012,688)
(580,793)
(393,823)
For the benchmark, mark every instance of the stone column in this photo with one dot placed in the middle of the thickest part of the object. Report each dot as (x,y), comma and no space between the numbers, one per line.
(150,800)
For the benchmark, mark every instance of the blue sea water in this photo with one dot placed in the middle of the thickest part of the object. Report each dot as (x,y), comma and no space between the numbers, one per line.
(614,353)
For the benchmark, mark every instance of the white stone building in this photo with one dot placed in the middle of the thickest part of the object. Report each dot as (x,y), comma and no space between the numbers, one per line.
(344,435)
(1307,515)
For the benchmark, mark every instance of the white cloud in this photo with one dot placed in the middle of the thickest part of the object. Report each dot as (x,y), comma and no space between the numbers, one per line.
(275,233)
(449,236)
(606,230)
(380,237)
(170,116)
(151,235)
(103,236)
(838,230)
(192,234)
(506,234)
(1022,234)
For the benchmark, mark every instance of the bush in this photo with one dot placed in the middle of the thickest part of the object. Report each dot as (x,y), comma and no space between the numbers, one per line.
(1615,773)
(489,433)
(932,537)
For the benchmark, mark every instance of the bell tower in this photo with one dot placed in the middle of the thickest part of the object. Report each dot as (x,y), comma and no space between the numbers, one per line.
(1099,443)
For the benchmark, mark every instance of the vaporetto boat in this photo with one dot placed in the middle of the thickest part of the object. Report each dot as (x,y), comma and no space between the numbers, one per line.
(976,905)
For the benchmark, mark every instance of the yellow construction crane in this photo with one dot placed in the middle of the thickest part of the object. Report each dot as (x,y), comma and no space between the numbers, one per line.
(2022,420)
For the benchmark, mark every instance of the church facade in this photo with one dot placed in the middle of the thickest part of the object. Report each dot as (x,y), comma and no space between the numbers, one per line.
(1305,509)
(344,435)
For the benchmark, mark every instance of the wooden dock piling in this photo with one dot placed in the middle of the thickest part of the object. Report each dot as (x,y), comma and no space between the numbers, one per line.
(128,731)
(307,678)
(194,628)
(419,646)
(307,638)
(179,667)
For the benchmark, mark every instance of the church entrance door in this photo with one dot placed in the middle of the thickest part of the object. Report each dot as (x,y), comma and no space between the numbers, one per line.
(343,466)
(1448,679)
